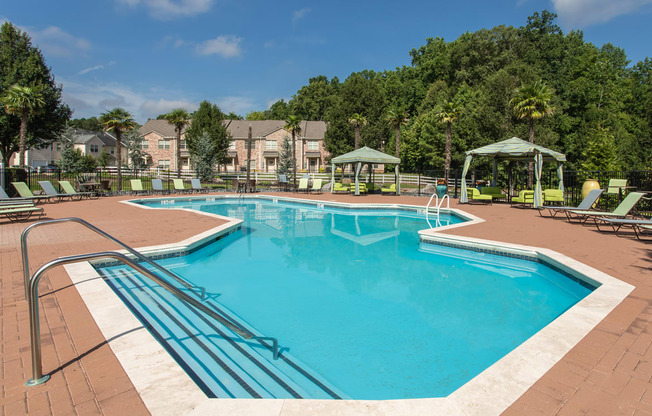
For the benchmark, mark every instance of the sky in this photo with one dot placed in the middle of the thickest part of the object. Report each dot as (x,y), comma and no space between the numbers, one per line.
(151,56)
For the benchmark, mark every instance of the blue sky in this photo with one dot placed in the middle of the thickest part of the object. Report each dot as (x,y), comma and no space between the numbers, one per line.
(150,56)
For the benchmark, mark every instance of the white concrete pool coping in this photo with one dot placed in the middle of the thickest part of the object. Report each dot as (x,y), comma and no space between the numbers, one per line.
(166,389)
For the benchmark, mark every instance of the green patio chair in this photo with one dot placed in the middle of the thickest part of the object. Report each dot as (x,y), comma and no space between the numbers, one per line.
(585,205)
(616,186)
(475,196)
(49,190)
(70,190)
(316,186)
(525,197)
(621,211)
(179,186)
(493,191)
(16,211)
(553,196)
(303,185)
(338,187)
(24,192)
(4,198)
(389,190)
(137,187)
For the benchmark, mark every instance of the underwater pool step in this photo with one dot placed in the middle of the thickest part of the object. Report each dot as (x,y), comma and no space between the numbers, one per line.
(221,363)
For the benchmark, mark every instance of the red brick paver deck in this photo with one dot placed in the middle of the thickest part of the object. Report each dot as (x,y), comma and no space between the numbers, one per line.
(608,372)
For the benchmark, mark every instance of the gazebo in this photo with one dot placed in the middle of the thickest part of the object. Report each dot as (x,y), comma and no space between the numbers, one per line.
(361,156)
(517,149)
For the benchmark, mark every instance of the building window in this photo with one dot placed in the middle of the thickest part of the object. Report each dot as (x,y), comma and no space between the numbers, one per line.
(164,144)
(112,150)
(94,148)
(270,144)
(164,164)
(144,144)
(232,145)
(253,144)
(313,145)
(58,147)
(182,145)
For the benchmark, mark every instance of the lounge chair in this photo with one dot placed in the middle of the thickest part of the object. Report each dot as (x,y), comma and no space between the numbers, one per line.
(137,187)
(283,182)
(553,196)
(196,186)
(362,188)
(493,191)
(389,190)
(621,210)
(4,198)
(316,186)
(525,197)
(639,226)
(338,187)
(49,190)
(157,186)
(475,196)
(303,185)
(16,211)
(25,192)
(179,186)
(69,189)
(585,205)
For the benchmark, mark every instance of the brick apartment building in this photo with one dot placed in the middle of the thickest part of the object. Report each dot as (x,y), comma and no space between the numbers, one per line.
(159,144)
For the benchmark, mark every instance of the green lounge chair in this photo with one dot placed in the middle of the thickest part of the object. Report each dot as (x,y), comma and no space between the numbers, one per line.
(525,197)
(553,196)
(616,186)
(25,192)
(639,226)
(338,187)
(585,205)
(70,190)
(494,191)
(303,185)
(621,210)
(179,186)
(196,186)
(316,186)
(390,190)
(20,211)
(362,188)
(4,198)
(137,187)
(475,196)
(49,190)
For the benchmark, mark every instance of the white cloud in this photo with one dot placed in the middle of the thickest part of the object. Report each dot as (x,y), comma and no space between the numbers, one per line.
(299,14)
(575,14)
(153,108)
(227,46)
(238,105)
(55,42)
(87,70)
(169,9)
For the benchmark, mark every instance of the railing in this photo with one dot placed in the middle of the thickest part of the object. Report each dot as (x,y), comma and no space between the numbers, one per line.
(438,204)
(31,289)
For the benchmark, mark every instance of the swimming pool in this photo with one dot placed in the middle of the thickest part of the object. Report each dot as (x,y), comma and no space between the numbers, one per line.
(358,303)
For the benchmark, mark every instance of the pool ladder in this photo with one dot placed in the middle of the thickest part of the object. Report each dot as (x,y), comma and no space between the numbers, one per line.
(31,291)
(438,204)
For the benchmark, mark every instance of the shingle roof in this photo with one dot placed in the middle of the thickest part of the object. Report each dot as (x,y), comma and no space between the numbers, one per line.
(83,137)
(240,128)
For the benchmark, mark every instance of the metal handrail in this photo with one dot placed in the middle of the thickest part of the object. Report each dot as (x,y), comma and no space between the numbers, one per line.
(34,324)
(438,204)
(23,246)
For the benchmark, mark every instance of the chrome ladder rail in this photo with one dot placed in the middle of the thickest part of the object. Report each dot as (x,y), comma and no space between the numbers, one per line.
(438,204)
(32,298)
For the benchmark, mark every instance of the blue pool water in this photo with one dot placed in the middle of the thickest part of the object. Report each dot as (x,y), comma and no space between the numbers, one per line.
(361,308)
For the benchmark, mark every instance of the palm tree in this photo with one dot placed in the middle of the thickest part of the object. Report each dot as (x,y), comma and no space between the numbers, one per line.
(293,125)
(533,101)
(397,117)
(357,120)
(119,121)
(448,114)
(179,118)
(23,102)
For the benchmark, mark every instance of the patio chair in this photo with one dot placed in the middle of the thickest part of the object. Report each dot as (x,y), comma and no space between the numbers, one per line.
(639,226)
(179,186)
(362,188)
(585,205)
(316,186)
(25,192)
(157,186)
(621,211)
(338,187)
(17,211)
(389,190)
(616,186)
(553,196)
(303,185)
(69,189)
(49,190)
(137,187)
(524,198)
(475,196)
(196,186)
(4,198)
(283,182)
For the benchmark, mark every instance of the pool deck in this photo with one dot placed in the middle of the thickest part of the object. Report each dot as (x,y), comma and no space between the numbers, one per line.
(609,372)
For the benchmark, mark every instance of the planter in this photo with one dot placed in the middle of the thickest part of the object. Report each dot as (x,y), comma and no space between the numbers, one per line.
(441,190)
(588,186)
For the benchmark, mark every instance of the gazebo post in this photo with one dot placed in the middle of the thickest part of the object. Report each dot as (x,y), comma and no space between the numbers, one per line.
(494,172)
(397,180)
(332,177)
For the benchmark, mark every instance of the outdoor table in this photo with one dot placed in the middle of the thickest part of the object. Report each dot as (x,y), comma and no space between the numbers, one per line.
(89,186)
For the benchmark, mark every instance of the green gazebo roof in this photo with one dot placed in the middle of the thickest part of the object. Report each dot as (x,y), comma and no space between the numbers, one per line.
(516,149)
(367,155)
